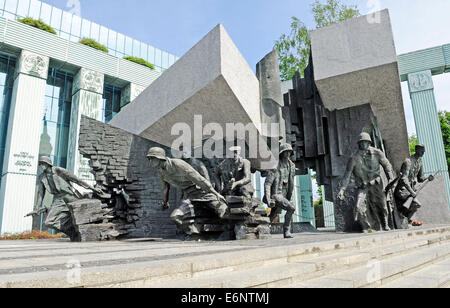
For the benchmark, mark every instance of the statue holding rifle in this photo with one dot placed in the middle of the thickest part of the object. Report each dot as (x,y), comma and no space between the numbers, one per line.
(58,182)
(412,174)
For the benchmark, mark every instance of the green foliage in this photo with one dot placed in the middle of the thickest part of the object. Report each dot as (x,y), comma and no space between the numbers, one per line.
(332,12)
(444,119)
(94,44)
(294,48)
(37,24)
(140,61)
(413,141)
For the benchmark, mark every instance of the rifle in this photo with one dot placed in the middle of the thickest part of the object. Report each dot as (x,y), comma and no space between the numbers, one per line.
(408,203)
(37,213)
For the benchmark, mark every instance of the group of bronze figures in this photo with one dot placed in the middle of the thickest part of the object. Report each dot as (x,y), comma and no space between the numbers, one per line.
(232,177)
(371,209)
(208,187)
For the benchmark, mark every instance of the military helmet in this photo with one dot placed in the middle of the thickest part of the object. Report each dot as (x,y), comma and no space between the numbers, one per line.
(284,147)
(365,137)
(45,160)
(420,147)
(158,153)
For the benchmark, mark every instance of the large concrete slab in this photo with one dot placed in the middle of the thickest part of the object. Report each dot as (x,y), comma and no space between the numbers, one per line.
(355,62)
(212,80)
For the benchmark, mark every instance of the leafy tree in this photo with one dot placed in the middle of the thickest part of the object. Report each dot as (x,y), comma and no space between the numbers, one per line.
(413,141)
(444,118)
(294,48)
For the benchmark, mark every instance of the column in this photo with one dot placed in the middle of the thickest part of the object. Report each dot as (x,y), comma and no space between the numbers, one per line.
(87,100)
(304,201)
(428,128)
(130,93)
(17,195)
(328,211)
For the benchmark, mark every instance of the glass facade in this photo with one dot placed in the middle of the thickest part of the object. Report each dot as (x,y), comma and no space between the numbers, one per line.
(73,27)
(56,118)
(7,66)
(111,102)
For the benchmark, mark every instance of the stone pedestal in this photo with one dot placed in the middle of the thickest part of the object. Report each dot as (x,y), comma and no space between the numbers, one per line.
(22,143)
(87,100)
(428,128)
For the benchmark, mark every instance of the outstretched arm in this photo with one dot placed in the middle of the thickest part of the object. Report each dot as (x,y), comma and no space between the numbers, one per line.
(69,176)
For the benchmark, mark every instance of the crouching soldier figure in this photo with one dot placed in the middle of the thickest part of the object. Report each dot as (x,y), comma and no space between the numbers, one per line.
(411,174)
(279,187)
(57,181)
(196,189)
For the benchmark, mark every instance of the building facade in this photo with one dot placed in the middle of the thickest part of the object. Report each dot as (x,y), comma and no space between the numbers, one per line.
(47,82)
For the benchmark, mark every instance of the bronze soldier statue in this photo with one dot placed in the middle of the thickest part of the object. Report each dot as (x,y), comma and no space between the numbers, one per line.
(235,176)
(196,189)
(279,187)
(411,174)
(57,181)
(371,200)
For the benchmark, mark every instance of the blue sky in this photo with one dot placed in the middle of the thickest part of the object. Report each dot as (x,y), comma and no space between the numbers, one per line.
(254,25)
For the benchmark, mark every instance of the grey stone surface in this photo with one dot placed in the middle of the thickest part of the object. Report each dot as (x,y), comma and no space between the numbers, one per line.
(267,71)
(156,263)
(118,161)
(434,203)
(355,63)
(213,74)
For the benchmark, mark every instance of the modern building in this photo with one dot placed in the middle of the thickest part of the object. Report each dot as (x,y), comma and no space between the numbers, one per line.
(48,81)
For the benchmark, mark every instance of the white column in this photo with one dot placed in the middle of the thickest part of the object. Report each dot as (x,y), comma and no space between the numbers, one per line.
(17,195)
(87,99)
(130,93)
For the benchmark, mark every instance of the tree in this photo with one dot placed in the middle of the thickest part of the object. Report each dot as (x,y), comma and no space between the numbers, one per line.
(413,141)
(444,119)
(294,48)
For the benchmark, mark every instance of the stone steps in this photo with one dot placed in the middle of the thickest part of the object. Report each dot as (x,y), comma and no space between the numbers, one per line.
(271,263)
(436,275)
(382,273)
(301,269)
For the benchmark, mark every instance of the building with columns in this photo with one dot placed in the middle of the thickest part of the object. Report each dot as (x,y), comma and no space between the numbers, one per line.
(48,81)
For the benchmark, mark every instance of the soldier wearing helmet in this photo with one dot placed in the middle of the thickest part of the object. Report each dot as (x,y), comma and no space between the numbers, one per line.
(196,189)
(235,175)
(371,204)
(412,173)
(279,187)
(58,182)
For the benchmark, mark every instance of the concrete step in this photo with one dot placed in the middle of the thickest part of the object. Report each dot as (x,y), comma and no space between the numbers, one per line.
(300,268)
(125,264)
(436,275)
(381,272)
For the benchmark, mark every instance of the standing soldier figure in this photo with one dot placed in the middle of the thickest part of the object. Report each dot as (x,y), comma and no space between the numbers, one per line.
(57,181)
(236,175)
(279,187)
(365,167)
(411,174)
